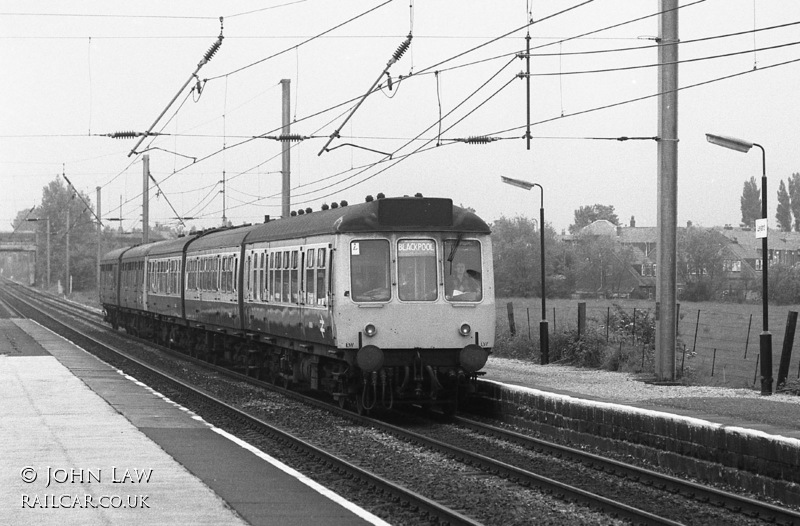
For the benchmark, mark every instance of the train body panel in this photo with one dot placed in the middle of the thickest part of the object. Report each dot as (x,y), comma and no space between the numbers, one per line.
(165,277)
(109,271)
(286,289)
(397,293)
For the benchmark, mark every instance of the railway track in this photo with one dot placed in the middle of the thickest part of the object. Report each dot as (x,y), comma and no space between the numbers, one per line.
(519,460)
(408,498)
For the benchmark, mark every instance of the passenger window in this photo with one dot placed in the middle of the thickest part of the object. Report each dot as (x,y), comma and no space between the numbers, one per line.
(370,277)
(416,269)
(462,270)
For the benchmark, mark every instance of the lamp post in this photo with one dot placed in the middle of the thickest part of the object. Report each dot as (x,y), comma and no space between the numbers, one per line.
(48,245)
(766,337)
(544,335)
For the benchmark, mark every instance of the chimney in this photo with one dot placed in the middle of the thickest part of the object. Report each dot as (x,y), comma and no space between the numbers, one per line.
(633,222)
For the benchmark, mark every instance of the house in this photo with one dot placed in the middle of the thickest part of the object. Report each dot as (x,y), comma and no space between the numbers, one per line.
(633,271)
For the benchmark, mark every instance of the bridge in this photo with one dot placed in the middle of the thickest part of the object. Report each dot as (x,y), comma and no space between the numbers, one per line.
(18,256)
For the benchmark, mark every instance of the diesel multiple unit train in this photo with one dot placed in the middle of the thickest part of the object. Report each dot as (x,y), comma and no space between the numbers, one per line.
(385,302)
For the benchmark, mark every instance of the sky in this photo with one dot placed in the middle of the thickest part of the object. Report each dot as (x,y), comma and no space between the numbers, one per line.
(77,71)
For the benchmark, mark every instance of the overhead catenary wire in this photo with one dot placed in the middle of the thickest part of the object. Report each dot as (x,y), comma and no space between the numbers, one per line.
(207,57)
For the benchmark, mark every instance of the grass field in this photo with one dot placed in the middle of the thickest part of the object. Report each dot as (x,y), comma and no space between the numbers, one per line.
(721,340)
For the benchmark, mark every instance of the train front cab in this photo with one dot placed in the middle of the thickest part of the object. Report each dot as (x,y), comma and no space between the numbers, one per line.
(419,309)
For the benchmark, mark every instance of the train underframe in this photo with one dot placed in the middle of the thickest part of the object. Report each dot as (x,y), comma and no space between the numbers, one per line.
(405,377)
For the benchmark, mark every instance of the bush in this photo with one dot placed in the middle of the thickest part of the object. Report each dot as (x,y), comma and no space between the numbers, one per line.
(588,350)
(519,347)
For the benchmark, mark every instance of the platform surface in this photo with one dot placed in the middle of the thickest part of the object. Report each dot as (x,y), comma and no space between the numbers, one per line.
(81,443)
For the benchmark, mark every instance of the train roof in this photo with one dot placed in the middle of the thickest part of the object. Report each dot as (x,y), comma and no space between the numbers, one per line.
(113,256)
(396,214)
(222,238)
(170,246)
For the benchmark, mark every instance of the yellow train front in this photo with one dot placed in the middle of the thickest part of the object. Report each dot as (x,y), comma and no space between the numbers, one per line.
(414,299)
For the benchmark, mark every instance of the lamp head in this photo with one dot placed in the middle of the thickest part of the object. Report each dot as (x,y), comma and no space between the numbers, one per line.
(729,142)
(517,182)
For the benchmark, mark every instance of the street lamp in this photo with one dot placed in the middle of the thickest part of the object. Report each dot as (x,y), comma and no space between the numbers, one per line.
(766,337)
(544,335)
(48,244)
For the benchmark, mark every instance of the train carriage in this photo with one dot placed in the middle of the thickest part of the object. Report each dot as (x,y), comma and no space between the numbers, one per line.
(385,302)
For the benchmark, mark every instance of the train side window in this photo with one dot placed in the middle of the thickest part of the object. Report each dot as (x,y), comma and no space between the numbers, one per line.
(416,268)
(322,297)
(311,296)
(462,270)
(370,276)
(294,277)
(264,273)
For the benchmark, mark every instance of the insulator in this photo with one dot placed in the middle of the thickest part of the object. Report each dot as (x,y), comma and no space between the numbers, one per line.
(309,210)
(334,205)
(293,213)
(479,139)
(124,135)
(369,199)
(325,206)
(301,212)
(402,48)
(381,195)
(418,194)
(343,203)
(389,80)
(212,50)
(292,137)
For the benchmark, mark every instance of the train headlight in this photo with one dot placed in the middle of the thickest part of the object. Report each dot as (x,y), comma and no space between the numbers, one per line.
(465,329)
(370,330)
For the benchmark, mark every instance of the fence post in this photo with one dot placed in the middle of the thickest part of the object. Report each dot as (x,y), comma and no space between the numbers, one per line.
(713,362)
(528,311)
(581,318)
(511,325)
(758,357)
(696,326)
(786,352)
(683,360)
(747,341)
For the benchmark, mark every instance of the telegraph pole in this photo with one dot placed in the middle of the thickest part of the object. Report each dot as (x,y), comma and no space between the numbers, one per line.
(66,285)
(99,237)
(285,149)
(667,221)
(145,198)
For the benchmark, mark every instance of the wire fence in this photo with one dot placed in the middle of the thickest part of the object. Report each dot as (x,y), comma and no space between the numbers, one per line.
(718,343)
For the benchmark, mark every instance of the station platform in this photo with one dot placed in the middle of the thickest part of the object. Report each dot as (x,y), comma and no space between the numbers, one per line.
(80,443)
(718,434)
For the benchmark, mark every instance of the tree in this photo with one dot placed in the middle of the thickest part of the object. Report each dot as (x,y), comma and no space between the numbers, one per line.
(794,197)
(751,202)
(57,199)
(516,246)
(700,262)
(586,215)
(784,213)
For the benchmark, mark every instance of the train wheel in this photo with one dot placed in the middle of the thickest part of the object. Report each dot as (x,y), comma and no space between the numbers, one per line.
(450,408)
